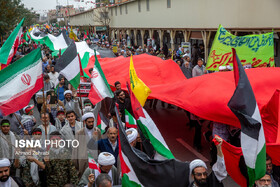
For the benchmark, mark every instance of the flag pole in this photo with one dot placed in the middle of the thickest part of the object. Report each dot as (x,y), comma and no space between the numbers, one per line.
(19,122)
(45,109)
(81,74)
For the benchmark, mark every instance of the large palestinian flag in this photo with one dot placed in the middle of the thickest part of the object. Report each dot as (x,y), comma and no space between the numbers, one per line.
(68,65)
(20,81)
(243,104)
(139,170)
(149,128)
(9,49)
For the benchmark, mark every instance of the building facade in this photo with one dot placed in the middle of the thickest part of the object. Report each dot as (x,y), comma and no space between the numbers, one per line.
(174,21)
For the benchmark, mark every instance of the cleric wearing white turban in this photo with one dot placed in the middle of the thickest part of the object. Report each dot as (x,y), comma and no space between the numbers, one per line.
(198,170)
(87,115)
(67,92)
(5,179)
(132,136)
(106,163)
(106,159)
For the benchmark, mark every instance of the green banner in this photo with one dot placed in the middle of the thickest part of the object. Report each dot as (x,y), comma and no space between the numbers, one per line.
(257,50)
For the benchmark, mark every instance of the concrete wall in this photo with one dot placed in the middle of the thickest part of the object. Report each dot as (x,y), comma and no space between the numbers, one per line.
(83,19)
(199,14)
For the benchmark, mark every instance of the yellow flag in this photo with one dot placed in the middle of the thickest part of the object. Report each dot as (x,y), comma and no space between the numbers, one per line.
(73,36)
(138,87)
(30,29)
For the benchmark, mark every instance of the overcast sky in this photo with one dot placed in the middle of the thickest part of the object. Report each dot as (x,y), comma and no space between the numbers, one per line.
(42,6)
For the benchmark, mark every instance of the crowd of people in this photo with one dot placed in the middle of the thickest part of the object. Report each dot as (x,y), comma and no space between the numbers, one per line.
(65,116)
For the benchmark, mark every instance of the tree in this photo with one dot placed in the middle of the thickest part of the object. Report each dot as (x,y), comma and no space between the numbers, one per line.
(101,17)
(12,11)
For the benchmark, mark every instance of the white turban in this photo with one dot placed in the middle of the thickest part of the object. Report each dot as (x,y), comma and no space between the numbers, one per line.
(106,159)
(87,115)
(197,163)
(5,163)
(67,92)
(229,67)
(221,68)
(133,135)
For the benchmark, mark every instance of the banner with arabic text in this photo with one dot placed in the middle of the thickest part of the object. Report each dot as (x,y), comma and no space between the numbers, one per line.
(257,50)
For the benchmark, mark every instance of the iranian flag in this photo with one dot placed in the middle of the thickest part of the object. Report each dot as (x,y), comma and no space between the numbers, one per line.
(9,48)
(149,129)
(101,124)
(69,66)
(139,170)
(130,122)
(20,81)
(92,164)
(100,88)
(244,105)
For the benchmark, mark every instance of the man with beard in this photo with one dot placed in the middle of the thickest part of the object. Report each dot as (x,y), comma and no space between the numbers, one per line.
(265,181)
(198,170)
(5,179)
(53,75)
(106,163)
(124,103)
(71,103)
(80,154)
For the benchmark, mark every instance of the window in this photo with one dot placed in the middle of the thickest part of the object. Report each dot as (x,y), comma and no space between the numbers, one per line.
(126,9)
(168,3)
(139,5)
(111,11)
(116,11)
(148,5)
(120,10)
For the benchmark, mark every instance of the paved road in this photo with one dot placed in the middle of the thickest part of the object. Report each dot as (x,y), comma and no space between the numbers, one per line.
(179,136)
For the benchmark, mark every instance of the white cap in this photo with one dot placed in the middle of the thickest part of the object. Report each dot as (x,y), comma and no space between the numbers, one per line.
(87,115)
(67,92)
(106,159)
(131,136)
(197,163)
(5,163)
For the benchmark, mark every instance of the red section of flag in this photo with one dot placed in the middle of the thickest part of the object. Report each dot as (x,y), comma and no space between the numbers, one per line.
(232,157)
(135,105)
(19,101)
(235,67)
(124,167)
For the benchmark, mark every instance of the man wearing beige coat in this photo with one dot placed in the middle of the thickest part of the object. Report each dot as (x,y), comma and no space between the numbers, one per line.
(80,154)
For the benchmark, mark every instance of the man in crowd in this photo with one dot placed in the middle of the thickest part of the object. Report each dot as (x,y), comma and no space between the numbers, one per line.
(14,119)
(106,163)
(72,126)
(28,120)
(198,170)
(71,104)
(80,154)
(46,125)
(273,171)
(61,88)
(7,140)
(53,75)
(104,180)
(199,69)
(187,70)
(60,118)
(265,181)
(124,103)
(110,144)
(5,179)
(59,168)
